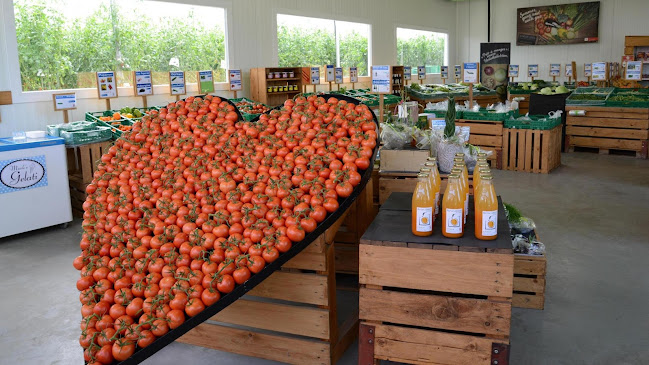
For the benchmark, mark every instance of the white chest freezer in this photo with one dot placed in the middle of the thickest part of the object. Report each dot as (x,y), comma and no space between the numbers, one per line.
(34,191)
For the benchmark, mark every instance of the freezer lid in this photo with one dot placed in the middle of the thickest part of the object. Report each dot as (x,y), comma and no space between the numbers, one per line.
(8,144)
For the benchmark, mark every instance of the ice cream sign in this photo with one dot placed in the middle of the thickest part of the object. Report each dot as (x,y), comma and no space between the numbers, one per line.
(22,174)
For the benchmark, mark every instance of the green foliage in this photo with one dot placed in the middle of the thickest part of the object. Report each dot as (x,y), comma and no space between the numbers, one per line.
(420,51)
(449,130)
(353,52)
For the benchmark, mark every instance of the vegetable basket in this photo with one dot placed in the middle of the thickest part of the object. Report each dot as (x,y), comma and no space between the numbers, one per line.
(98,134)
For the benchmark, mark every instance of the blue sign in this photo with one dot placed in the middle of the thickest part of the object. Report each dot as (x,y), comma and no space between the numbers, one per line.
(143,83)
(471,72)
(22,174)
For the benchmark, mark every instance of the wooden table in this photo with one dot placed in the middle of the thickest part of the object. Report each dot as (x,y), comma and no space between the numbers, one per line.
(426,300)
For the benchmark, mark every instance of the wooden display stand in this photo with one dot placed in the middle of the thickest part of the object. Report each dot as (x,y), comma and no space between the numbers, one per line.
(608,128)
(523,105)
(454,308)
(82,164)
(483,100)
(398,80)
(531,150)
(259,83)
(488,135)
(291,317)
(529,281)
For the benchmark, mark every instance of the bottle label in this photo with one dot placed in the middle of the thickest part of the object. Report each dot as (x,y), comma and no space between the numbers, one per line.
(453,222)
(466,207)
(436,203)
(489,222)
(424,219)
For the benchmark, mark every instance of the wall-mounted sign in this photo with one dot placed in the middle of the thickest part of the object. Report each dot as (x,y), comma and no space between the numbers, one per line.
(205,82)
(143,84)
(21,174)
(494,60)
(569,72)
(458,71)
(444,72)
(513,71)
(407,72)
(533,70)
(588,69)
(235,80)
(338,75)
(470,74)
(421,72)
(329,74)
(381,79)
(107,84)
(633,70)
(65,101)
(599,71)
(555,69)
(177,82)
(315,75)
(353,74)
(558,24)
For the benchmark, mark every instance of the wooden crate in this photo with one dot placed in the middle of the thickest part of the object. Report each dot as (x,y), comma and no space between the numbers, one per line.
(529,281)
(410,160)
(291,317)
(532,150)
(488,135)
(608,128)
(82,164)
(401,182)
(523,105)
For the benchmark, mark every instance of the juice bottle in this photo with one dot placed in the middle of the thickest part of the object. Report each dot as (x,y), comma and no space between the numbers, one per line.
(480,168)
(422,208)
(453,208)
(486,210)
(465,179)
(435,181)
(465,191)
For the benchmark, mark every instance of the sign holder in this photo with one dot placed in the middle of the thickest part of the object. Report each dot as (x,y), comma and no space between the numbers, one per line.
(234,79)
(554,71)
(531,74)
(177,76)
(421,74)
(588,71)
(407,74)
(353,76)
(458,73)
(636,70)
(136,91)
(61,105)
(376,77)
(597,76)
(329,75)
(444,74)
(570,72)
(110,82)
(205,89)
(512,72)
(338,77)
(470,79)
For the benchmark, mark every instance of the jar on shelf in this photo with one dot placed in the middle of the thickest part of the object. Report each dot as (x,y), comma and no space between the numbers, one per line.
(270,75)
(285,88)
(285,74)
(275,89)
(278,75)
(291,74)
(270,89)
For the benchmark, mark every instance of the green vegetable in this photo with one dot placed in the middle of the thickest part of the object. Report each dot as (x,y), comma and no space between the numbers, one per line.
(513,214)
(449,130)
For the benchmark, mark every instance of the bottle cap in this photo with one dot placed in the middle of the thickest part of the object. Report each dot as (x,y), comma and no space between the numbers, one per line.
(422,175)
(482,154)
(424,170)
(486,177)
(454,176)
(457,163)
(459,154)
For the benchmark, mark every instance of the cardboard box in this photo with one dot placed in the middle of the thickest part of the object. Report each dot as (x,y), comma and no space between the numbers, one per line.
(410,160)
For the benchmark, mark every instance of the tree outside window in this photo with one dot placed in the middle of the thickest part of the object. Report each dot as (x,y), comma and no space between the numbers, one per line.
(421,48)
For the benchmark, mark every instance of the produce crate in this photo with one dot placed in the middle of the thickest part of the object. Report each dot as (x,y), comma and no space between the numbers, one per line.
(608,128)
(292,317)
(529,281)
(55,129)
(442,113)
(113,128)
(536,151)
(640,98)
(485,114)
(248,116)
(540,122)
(523,105)
(406,160)
(488,135)
(82,164)
(75,138)
(602,94)
(94,116)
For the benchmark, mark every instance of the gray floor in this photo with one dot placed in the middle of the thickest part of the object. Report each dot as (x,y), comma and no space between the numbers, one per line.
(592,213)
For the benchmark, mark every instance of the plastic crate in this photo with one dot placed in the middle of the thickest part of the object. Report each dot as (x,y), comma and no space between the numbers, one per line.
(485,114)
(55,129)
(114,126)
(98,134)
(603,93)
(540,122)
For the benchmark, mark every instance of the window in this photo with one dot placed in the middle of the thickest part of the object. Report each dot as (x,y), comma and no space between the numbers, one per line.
(421,48)
(76,38)
(303,41)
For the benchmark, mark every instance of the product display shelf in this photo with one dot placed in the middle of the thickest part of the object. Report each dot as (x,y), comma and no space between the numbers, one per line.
(482,100)
(82,164)
(455,308)
(529,281)
(608,128)
(259,83)
(530,150)
(488,135)
(397,80)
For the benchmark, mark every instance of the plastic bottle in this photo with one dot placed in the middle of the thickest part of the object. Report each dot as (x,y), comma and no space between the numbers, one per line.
(422,208)
(486,210)
(435,181)
(453,208)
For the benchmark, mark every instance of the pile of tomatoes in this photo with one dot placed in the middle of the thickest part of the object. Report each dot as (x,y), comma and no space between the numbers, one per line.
(191,202)
(249,107)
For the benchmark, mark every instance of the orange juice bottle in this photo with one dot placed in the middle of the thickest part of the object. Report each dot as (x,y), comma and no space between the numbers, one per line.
(465,191)
(453,208)
(486,210)
(480,168)
(464,176)
(435,181)
(422,208)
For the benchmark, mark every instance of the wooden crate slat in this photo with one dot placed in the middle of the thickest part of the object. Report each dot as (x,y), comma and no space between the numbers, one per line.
(608,123)
(482,140)
(609,143)
(481,128)
(269,346)
(434,311)
(388,186)
(526,149)
(608,109)
(532,285)
(529,264)
(465,272)
(530,301)
(607,132)
(346,256)
(307,261)
(294,287)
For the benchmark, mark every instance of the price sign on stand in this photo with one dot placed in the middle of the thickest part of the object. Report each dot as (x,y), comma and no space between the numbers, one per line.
(421,73)
(470,76)
(444,73)
(533,71)
(329,75)
(568,70)
(458,72)
(143,85)
(338,76)
(177,83)
(381,84)
(205,82)
(600,70)
(407,74)
(65,102)
(512,72)
(353,75)
(555,70)
(234,76)
(633,70)
(588,70)
(107,86)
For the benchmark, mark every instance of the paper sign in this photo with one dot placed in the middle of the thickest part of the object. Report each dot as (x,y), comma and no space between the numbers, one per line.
(513,71)
(407,73)
(599,71)
(568,70)
(444,72)
(533,70)
(107,84)
(353,74)
(315,75)
(555,69)
(329,75)
(470,72)
(338,75)
(458,71)
(205,82)
(143,83)
(633,70)
(588,69)
(20,174)
(65,101)
(177,82)
(235,80)
(381,79)
(421,72)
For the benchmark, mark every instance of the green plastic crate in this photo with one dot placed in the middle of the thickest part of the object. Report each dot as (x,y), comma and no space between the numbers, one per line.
(602,92)
(247,116)
(538,122)
(485,114)
(55,129)
(114,129)
(98,134)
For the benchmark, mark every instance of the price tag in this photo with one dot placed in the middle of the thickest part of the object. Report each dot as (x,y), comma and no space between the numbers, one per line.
(421,72)
(470,72)
(588,69)
(381,79)
(329,75)
(353,74)
(533,70)
(633,70)
(315,75)
(555,69)
(568,70)
(458,71)
(513,71)
(177,82)
(407,72)
(338,73)
(143,83)
(235,80)
(599,71)
(65,101)
(205,82)
(444,72)
(107,84)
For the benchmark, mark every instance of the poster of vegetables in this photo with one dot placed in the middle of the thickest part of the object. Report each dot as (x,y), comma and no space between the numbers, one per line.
(558,24)
(494,62)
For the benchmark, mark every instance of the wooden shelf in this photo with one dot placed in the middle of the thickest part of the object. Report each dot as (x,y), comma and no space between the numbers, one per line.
(285,92)
(283,79)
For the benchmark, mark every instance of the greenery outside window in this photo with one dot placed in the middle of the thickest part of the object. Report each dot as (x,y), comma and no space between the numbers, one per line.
(422,48)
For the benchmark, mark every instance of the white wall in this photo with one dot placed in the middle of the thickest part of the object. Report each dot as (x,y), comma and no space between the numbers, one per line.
(252,42)
(617,19)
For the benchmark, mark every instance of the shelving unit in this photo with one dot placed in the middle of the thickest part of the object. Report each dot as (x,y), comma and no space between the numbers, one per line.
(260,84)
(397,80)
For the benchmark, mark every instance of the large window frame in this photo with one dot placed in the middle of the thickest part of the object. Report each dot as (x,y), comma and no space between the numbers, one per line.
(11,63)
(445,32)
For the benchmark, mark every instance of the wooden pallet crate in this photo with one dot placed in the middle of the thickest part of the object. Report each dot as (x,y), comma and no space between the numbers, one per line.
(523,105)
(402,182)
(530,150)
(292,317)
(529,281)
(488,135)
(608,128)
(82,164)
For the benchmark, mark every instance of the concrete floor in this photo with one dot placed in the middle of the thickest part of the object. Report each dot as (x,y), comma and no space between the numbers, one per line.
(592,213)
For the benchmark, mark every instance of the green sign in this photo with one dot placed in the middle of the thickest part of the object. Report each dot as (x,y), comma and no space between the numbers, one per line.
(205,82)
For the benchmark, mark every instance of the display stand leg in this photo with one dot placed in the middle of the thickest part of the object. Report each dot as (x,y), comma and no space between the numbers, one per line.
(470,95)
(144,102)
(381,108)
(338,87)
(532,77)
(108,104)
(177,97)
(554,79)
(66,117)
(314,88)
(329,85)
(235,94)
(443,81)
(353,85)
